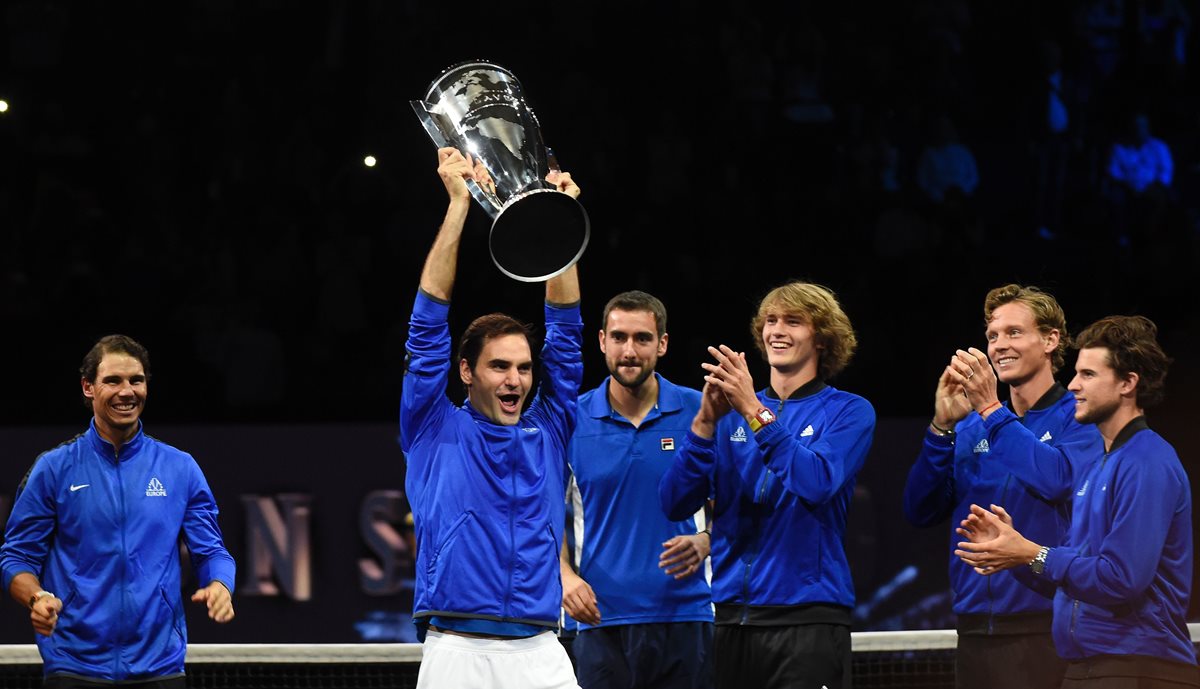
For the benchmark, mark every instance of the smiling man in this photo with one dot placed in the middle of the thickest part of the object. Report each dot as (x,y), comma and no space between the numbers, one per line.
(1024,453)
(640,594)
(485,480)
(780,465)
(110,503)
(1123,574)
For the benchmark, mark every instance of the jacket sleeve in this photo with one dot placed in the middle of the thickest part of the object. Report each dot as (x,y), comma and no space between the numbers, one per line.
(423,399)
(562,371)
(1047,469)
(930,493)
(210,558)
(818,471)
(688,482)
(1143,499)
(31,525)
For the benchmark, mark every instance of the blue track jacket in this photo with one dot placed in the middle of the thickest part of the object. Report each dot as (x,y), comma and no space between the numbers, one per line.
(1125,570)
(487,500)
(101,531)
(1026,465)
(781,501)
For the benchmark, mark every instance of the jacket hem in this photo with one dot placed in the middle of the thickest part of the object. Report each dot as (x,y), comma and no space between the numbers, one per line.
(781,615)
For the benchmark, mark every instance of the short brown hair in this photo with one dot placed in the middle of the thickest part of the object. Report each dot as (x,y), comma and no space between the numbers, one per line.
(1046,313)
(637,300)
(485,328)
(819,306)
(1132,344)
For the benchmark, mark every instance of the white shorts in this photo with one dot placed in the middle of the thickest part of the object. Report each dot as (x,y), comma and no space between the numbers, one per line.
(459,662)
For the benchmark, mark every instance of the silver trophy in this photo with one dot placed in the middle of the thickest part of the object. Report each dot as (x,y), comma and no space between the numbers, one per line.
(478,108)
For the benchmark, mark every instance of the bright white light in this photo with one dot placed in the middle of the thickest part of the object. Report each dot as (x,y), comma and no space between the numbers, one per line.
(3,106)
(370,161)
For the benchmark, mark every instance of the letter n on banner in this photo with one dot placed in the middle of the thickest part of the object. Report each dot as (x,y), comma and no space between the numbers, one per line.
(277,544)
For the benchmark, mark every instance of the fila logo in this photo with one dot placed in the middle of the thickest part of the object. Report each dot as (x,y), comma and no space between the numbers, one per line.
(982,446)
(807,431)
(1083,491)
(1045,437)
(668,444)
(739,436)
(156,489)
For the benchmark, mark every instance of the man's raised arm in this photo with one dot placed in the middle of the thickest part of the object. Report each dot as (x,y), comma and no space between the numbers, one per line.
(437,277)
(563,290)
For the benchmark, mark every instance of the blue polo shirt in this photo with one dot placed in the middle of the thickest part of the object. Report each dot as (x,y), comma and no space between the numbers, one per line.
(619,528)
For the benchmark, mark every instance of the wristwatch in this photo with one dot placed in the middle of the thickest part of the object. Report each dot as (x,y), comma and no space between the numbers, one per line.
(1038,564)
(762,417)
(38,596)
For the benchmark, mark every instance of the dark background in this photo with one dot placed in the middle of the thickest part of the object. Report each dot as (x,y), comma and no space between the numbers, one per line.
(190,173)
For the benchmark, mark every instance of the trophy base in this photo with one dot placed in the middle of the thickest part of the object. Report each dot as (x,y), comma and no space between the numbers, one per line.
(538,235)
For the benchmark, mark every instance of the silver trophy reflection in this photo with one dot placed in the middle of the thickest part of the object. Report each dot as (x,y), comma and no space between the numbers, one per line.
(478,108)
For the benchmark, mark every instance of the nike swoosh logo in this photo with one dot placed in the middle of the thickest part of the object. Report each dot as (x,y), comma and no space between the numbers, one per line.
(75,487)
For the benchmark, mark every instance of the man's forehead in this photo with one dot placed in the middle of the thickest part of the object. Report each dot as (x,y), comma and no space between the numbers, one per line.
(1093,358)
(120,362)
(1011,311)
(509,347)
(623,319)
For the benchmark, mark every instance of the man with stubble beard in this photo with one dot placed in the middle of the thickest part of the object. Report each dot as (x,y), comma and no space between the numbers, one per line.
(645,617)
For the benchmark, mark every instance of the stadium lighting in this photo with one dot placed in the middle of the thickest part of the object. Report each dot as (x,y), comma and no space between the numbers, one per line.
(3,106)
(370,161)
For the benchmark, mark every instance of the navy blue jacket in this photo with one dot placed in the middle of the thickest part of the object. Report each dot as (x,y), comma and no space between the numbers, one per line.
(781,500)
(487,499)
(1125,570)
(101,530)
(1026,465)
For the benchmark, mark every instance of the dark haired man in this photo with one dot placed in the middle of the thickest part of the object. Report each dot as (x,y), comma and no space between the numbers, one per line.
(646,618)
(96,521)
(485,480)
(780,465)
(1123,574)
(1023,454)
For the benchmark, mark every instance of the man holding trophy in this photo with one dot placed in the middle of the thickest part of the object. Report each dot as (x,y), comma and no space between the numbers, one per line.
(485,480)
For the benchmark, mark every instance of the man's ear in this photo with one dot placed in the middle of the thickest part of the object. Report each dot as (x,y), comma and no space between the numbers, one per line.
(1051,339)
(1128,385)
(88,389)
(464,372)
(662,344)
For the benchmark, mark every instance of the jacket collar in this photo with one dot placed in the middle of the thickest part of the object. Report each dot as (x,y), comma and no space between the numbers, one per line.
(1047,400)
(669,398)
(1131,428)
(809,389)
(106,449)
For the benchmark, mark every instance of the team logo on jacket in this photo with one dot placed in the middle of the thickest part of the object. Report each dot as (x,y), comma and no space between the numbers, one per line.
(1046,437)
(807,431)
(739,436)
(668,444)
(982,446)
(1083,491)
(156,489)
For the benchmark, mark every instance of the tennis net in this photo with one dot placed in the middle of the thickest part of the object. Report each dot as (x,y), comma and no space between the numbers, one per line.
(882,660)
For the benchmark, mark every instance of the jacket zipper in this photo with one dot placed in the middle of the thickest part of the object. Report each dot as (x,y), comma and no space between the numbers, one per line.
(746,574)
(121,631)
(1075,603)
(991,598)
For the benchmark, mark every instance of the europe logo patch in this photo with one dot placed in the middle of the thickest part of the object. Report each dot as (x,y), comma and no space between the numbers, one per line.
(668,444)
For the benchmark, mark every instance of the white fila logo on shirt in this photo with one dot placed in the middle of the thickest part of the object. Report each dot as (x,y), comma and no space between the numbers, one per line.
(156,489)
(982,446)
(739,436)
(807,431)
(1046,436)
